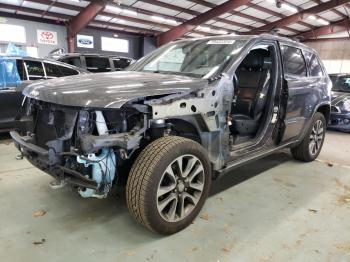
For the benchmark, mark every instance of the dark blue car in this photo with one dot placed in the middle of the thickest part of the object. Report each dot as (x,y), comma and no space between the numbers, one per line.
(340,115)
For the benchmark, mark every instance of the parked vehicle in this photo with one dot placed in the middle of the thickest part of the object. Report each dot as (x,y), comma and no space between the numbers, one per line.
(96,63)
(16,73)
(182,115)
(340,113)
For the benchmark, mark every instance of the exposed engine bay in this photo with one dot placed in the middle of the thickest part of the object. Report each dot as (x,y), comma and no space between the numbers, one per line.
(87,147)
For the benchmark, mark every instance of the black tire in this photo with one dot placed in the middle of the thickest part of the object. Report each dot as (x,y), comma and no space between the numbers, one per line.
(147,173)
(302,152)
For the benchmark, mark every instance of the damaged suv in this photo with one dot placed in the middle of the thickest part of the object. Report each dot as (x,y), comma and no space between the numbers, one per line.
(179,117)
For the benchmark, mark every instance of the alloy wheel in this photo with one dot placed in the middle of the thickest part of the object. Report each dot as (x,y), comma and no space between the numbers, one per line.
(180,188)
(316,137)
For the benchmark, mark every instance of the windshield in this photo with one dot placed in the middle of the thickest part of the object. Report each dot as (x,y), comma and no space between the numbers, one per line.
(200,58)
(341,83)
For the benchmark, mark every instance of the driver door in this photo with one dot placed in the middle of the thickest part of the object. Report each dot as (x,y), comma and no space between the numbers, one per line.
(11,98)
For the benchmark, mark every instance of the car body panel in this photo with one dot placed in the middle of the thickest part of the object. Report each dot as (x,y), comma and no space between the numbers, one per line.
(110,90)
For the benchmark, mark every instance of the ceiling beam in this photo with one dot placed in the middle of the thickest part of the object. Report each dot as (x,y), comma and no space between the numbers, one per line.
(194,13)
(239,14)
(189,25)
(304,14)
(339,26)
(332,10)
(87,15)
(149,13)
(273,13)
(59,17)
(65,18)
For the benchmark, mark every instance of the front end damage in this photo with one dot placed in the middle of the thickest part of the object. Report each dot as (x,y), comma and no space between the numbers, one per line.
(80,146)
(87,147)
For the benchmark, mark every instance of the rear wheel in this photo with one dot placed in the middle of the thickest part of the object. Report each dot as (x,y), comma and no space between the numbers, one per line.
(309,149)
(168,184)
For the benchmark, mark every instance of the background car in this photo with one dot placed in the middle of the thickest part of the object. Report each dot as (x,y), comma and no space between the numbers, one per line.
(15,74)
(96,63)
(340,115)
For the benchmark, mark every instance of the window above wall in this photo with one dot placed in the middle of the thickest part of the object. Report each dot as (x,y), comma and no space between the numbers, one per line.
(114,45)
(12,33)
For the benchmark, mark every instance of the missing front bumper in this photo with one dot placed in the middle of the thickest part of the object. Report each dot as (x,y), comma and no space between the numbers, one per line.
(44,159)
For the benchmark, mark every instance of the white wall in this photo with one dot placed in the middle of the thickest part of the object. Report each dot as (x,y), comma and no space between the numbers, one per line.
(335,54)
(31,35)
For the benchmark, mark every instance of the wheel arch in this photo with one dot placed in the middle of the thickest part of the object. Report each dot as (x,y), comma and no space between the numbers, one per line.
(186,128)
(325,109)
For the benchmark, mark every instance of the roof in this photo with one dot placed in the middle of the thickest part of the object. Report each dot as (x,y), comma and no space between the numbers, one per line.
(42,60)
(92,54)
(284,40)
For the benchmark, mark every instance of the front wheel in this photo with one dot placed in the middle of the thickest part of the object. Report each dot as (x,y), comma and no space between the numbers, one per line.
(168,184)
(309,149)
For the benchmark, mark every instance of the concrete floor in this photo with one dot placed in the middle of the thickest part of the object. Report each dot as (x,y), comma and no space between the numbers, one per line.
(276,209)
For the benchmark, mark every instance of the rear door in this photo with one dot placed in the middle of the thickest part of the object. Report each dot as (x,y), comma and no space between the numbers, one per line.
(299,88)
(54,70)
(11,94)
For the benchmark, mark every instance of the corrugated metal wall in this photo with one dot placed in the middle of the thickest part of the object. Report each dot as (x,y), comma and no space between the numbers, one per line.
(335,54)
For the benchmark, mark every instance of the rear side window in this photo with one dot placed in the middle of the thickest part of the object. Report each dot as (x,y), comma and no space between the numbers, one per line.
(313,64)
(52,70)
(97,64)
(121,63)
(35,70)
(293,61)
(66,71)
(73,61)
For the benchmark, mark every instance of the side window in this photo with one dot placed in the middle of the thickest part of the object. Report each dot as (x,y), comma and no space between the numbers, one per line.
(21,70)
(313,64)
(97,64)
(293,61)
(35,70)
(52,70)
(121,63)
(66,71)
(73,61)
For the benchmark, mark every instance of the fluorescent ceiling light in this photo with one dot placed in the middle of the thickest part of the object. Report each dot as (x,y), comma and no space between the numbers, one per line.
(204,28)
(289,8)
(113,9)
(129,12)
(223,32)
(171,21)
(158,18)
(322,21)
(312,17)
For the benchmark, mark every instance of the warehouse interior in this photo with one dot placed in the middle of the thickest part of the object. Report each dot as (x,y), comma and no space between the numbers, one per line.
(272,204)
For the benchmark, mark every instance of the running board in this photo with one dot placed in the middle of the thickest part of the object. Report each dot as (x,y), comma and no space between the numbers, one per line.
(234,164)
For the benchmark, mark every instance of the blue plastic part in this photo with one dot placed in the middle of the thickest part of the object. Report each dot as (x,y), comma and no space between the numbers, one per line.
(102,164)
(15,51)
(9,76)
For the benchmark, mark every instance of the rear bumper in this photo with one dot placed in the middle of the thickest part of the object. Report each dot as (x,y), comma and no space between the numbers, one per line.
(339,121)
(46,160)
